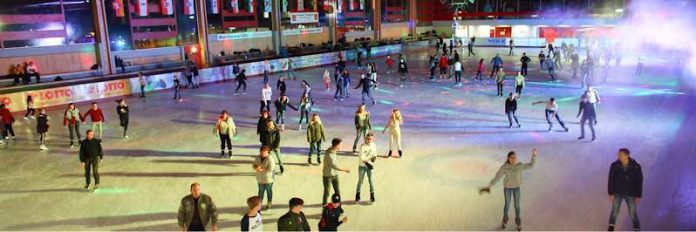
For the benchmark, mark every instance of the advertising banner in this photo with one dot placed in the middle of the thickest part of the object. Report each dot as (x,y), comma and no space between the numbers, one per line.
(251,6)
(118,8)
(303,31)
(244,35)
(300,5)
(267,6)
(304,17)
(141,8)
(166,7)
(189,7)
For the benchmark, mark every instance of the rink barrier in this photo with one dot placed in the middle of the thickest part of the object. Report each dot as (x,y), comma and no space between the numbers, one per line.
(95,91)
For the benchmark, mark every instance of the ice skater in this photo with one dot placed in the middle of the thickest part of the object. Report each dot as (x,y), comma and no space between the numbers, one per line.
(373,74)
(552,111)
(305,107)
(457,73)
(574,65)
(497,65)
(122,111)
(7,121)
(330,169)
(42,128)
(394,125)
(143,83)
(177,90)
(625,183)
(290,70)
(30,108)
(241,81)
(197,210)
(266,93)
(479,72)
(588,116)
(511,108)
(470,47)
(500,81)
(264,166)
(294,219)
(367,157)
(525,64)
(542,60)
(519,83)
(512,171)
(444,66)
(362,125)
(271,139)
(71,120)
(551,68)
(331,215)
(366,84)
(346,83)
(315,135)
(339,88)
(403,71)
(390,64)
(225,129)
(98,119)
(593,98)
(326,79)
(512,46)
(281,105)
(91,156)
(261,124)
(266,70)
(281,86)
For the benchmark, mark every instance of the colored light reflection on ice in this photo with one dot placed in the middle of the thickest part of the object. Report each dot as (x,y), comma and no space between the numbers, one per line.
(386,102)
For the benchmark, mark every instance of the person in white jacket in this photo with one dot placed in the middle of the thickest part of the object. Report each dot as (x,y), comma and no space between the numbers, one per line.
(394,126)
(225,129)
(367,156)
(266,94)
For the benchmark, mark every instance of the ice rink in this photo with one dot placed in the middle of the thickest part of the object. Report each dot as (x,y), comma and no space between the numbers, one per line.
(455,139)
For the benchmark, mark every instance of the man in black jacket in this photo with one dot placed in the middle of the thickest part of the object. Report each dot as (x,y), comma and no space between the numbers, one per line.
(331,215)
(295,219)
(91,156)
(525,63)
(510,108)
(625,183)
(367,86)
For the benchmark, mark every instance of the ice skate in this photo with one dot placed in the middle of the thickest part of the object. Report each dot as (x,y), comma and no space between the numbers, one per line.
(86,187)
(309,161)
(400,154)
(318,160)
(372,197)
(357,197)
(43,147)
(390,153)
(229,154)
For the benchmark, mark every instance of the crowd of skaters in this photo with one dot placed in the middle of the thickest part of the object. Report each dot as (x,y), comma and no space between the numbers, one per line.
(269,134)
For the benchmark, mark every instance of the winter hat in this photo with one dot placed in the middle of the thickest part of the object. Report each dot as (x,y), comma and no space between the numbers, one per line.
(335,198)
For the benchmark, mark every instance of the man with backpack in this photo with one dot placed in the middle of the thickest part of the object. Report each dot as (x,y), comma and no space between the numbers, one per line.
(331,215)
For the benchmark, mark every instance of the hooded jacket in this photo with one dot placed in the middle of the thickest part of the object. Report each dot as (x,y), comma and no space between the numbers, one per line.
(626,181)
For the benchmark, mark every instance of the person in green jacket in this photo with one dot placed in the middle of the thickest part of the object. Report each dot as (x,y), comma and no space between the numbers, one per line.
(362,125)
(331,169)
(519,83)
(271,138)
(499,79)
(315,135)
(197,210)
(295,219)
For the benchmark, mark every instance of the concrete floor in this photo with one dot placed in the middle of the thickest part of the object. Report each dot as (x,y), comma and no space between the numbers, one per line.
(455,138)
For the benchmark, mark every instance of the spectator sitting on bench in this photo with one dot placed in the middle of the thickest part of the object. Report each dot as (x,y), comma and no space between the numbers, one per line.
(16,72)
(32,70)
(119,63)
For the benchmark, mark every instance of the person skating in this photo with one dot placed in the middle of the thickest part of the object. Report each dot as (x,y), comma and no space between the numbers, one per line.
(394,124)
(511,108)
(625,183)
(91,156)
(519,83)
(189,77)
(326,79)
(261,124)
(470,47)
(306,88)
(281,86)
(330,169)
(123,112)
(281,105)
(252,220)
(512,171)
(294,219)
(444,65)
(366,160)
(551,68)
(271,139)
(97,117)
(552,111)
(143,83)
(290,71)
(7,121)
(339,88)
(331,215)
(525,63)
(479,72)
(266,70)
(177,90)
(403,70)
(264,166)
(346,83)
(71,120)
(42,128)
(373,74)
(366,84)
(194,76)
(512,46)
(542,60)
(362,125)
(557,59)
(574,65)
(197,210)
(593,99)
(305,107)
(241,81)
(588,116)
(497,64)
(499,81)
(315,135)
(266,93)
(390,64)
(433,62)
(225,129)
(31,111)
(457,73)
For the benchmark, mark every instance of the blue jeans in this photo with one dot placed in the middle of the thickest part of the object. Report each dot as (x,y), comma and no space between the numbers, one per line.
(616,206)
(361,175)
(558,118)
(361,132)
(315,147)
(589,120)
(265,76)
(515,192)
(367,94)
(280,117)
(268,189)
(304,116)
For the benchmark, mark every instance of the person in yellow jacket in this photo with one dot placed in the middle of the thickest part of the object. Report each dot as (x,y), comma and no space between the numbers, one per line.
(225,129)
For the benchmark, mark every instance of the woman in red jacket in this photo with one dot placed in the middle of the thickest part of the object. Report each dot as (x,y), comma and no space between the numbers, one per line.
(480,70)
(7,121)
(444,63)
